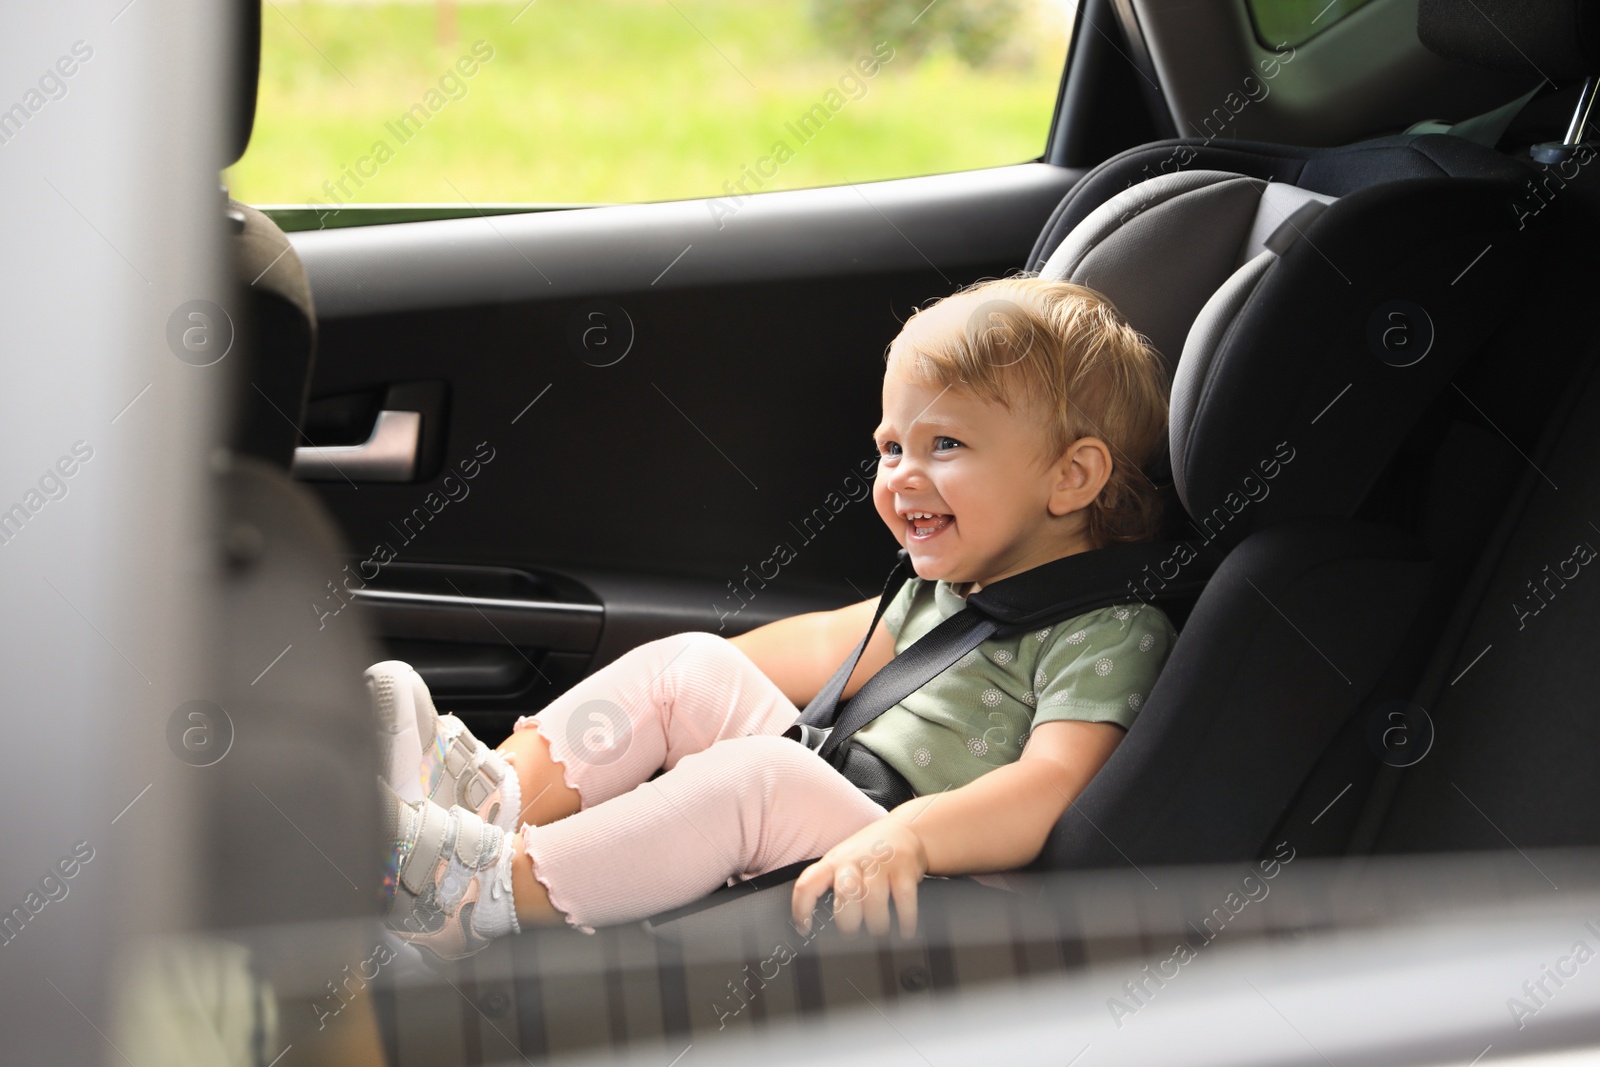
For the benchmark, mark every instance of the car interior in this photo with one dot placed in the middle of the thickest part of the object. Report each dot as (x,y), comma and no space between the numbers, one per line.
(1369,286)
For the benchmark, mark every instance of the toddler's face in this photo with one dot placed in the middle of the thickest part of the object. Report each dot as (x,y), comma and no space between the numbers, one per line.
(973,466)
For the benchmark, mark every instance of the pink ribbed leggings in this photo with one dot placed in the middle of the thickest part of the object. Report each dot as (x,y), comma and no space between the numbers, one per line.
(735,799)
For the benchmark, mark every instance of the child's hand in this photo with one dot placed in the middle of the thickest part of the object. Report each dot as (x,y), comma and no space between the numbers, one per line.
(866,869)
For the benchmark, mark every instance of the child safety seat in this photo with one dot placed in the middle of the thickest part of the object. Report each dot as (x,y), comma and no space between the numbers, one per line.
(1320,301)
(1312,305)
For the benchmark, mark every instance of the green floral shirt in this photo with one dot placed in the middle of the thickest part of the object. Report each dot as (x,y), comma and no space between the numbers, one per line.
(977,714)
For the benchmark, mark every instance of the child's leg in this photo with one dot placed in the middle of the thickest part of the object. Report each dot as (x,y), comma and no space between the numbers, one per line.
(742,807)
(663,701)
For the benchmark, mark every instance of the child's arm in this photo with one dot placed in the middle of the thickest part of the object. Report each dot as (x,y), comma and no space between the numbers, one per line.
(801,653)
(997,822)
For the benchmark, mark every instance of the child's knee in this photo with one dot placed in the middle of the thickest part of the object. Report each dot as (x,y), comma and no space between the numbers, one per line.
(775,750)
(664,653)
(774,764)
(706,644)
(687,643)
(698,646)
(756,758)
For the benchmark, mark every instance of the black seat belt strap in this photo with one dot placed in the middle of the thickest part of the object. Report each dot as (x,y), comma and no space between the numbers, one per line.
(1061,589)
(824,706)
(908,672)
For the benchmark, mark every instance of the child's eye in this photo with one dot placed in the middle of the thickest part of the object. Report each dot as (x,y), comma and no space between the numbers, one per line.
(892,449)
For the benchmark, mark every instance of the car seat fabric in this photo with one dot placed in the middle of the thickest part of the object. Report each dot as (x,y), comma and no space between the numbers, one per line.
(280,325)
(297,746)
(1510,694)
(1288,635)
(1532,379)
(1470,470)
(1559,38)
(1340,344)
(1328,171)
(1163,247)
(1263,296)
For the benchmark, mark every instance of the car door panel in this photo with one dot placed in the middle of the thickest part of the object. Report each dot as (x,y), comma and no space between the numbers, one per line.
(658,415)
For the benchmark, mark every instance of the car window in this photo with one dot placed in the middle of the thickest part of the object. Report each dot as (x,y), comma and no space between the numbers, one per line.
(556,102)
(1281,22)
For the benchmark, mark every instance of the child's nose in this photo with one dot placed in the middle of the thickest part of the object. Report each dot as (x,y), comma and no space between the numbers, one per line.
(903,475)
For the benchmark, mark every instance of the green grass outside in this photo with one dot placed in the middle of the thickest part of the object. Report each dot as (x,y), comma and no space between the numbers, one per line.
(616,100)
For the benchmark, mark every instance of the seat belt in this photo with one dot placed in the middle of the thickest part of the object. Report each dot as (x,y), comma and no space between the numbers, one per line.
(820,712)
(1053,591)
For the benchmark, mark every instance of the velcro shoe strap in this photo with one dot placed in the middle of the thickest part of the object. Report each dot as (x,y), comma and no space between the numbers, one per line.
(475,790)
(420,866)
(476,843)
(458,758)
(475,777)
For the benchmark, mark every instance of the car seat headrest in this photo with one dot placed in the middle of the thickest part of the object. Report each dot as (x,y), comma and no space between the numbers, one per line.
(1308,367)
(1161,248)
(1316,303)
(246,78)
(1556,39)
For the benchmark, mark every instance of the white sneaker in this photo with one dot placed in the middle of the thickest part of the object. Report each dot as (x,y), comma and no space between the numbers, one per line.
(449,877)
(428,756)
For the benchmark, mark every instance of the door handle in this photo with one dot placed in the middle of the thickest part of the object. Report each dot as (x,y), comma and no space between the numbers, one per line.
(552,624)
(389,454)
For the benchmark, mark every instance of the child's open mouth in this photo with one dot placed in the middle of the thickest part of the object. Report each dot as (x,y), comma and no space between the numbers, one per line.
(926,525)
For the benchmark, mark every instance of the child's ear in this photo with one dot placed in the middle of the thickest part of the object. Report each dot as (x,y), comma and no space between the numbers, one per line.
(1081,473)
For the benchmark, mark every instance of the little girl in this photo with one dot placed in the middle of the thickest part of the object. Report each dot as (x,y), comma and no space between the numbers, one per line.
(1017,415)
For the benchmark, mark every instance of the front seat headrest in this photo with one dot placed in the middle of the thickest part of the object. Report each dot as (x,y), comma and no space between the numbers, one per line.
(277,317)
(246,69)
(1557,39)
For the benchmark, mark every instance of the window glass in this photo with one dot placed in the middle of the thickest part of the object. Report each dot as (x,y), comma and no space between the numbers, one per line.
(1281,22)
(593,101)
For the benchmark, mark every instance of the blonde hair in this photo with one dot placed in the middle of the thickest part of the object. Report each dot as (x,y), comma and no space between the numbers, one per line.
(1064,351)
